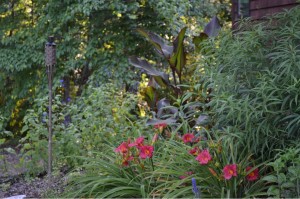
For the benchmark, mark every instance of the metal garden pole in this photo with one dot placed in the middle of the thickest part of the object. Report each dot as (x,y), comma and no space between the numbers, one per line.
(50,61)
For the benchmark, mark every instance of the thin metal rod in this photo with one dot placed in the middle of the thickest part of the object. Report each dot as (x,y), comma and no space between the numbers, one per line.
(50,73)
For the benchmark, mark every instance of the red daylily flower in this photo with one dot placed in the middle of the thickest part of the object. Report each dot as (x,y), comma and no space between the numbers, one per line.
(126,160)
(138,142)
(154,139)
(196,140)
(194,151)
(122,148)
(161,125)
(203,157)
(229,171)
(182,177)
(188,173)
(188,137)
(146,152)
(253,175)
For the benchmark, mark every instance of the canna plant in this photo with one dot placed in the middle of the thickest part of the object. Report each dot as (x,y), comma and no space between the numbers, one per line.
(163,88)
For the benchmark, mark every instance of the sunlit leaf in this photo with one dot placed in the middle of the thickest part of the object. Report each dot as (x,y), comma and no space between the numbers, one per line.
(178,59)
(149,95)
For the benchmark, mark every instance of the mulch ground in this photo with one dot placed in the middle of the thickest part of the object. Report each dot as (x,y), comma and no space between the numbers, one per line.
(13,181)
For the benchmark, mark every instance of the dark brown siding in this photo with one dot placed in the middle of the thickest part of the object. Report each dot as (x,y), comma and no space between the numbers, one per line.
(262,8)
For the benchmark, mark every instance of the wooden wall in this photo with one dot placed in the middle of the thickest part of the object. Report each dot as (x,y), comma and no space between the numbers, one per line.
(262,8)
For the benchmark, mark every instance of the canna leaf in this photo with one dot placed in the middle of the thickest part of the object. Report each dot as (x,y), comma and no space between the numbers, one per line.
(163,105)
(149,95)
(178,59)
(198,39)
(160,77)
(202,119)
(211,30)
(213,27)
(153,83)
(158,42)
(158,121)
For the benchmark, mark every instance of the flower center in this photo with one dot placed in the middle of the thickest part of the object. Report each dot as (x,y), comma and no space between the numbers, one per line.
(230,172)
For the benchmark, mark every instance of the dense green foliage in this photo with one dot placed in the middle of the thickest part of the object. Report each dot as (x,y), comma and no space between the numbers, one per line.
(256,83)
(169,176)
(250,106)
(106,114)
(94,40)
(216,115)
(286,177)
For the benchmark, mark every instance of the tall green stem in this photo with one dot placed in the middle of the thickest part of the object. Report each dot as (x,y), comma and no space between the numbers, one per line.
(151,160)
(152,164)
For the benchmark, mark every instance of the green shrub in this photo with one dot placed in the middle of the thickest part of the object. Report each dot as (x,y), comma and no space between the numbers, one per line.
(104,114)
(285,180)
(35,142)
(255,75)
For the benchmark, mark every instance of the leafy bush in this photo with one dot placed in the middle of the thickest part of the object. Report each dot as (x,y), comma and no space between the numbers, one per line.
(103,115)
(285,181)
(256,82)
(35,142)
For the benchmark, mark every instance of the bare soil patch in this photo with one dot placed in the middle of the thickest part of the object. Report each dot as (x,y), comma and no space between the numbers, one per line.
(13,181)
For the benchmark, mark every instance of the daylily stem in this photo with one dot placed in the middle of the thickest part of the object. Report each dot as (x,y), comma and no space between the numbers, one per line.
(153,170)
(152,164)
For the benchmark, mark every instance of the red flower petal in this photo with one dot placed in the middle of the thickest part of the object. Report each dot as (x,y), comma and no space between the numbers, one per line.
(203,157)
(229,171)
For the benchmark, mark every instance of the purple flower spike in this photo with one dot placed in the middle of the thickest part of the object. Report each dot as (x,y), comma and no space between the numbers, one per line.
(195,188)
